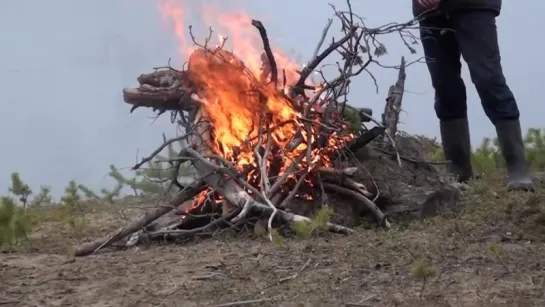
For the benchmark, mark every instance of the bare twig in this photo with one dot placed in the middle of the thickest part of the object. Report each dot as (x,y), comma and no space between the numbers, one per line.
(322,39)
(267,46)
(294,191)
(293,276)
(242,303)
(309,68)
(186,232)
(158,151)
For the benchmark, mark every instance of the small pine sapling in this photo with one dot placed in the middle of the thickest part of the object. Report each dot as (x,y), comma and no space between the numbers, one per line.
(20,189)
(90,194)
(72,199)
(43,197)
(535,148)
(305,229)
(423,270)
(121,182)
(498,252)
(14,222)
(110,195)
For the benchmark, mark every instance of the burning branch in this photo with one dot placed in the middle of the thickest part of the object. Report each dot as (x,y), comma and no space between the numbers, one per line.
(267,46)
(257,149)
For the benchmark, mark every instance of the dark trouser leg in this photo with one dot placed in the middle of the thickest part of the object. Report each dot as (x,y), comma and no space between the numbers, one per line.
(476,34)
(443,60)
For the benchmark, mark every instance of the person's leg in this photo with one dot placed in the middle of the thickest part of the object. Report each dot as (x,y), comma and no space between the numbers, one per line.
(443,60)
(476,34)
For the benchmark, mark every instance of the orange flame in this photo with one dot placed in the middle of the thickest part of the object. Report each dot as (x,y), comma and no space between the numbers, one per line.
(236,28)
(226,86)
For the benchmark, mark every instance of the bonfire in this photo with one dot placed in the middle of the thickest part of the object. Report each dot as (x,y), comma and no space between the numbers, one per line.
(262,135)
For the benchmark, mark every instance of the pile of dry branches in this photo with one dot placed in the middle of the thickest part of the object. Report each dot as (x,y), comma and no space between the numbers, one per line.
(261,141)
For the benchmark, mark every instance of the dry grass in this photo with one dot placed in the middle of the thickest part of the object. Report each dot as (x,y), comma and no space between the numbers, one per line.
(488,254)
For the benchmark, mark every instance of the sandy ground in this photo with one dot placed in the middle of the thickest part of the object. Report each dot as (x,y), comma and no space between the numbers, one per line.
(371,268)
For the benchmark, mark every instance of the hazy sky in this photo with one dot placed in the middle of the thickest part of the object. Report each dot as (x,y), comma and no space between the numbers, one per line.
(65,62)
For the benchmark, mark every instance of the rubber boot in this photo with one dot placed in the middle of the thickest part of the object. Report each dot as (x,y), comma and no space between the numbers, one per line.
(513,151)
(457,147)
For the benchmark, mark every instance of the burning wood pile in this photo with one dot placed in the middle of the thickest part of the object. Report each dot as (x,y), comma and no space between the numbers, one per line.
(263,137)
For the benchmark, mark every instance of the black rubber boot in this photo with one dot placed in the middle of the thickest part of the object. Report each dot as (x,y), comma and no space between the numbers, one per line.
(513,151)
(457,147)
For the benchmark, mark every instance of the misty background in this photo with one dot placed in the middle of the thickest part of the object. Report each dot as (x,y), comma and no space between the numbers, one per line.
(65,62)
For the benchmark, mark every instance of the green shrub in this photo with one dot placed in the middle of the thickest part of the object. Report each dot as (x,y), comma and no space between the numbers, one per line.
(305,229)
(535,148)
(14,222)
(422,270)
(71,198)
(43,197)
(487,159)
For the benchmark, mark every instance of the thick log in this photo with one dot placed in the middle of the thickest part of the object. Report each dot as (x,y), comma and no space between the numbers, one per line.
(162,78)
(161,90)
(169,90)
(155,98)
(150,216)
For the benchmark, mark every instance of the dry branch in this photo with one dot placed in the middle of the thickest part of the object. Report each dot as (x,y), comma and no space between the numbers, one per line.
(348,171)
(371,206)
(313,64)
(148,217)
(289,217)
(271,62)
(180,233)
(390,117)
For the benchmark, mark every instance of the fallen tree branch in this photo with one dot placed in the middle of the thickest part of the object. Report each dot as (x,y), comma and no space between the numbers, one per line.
(160,90)
(150,216)
(371,206)
(348,171)
(288,217)
(343,177)
(178,233)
